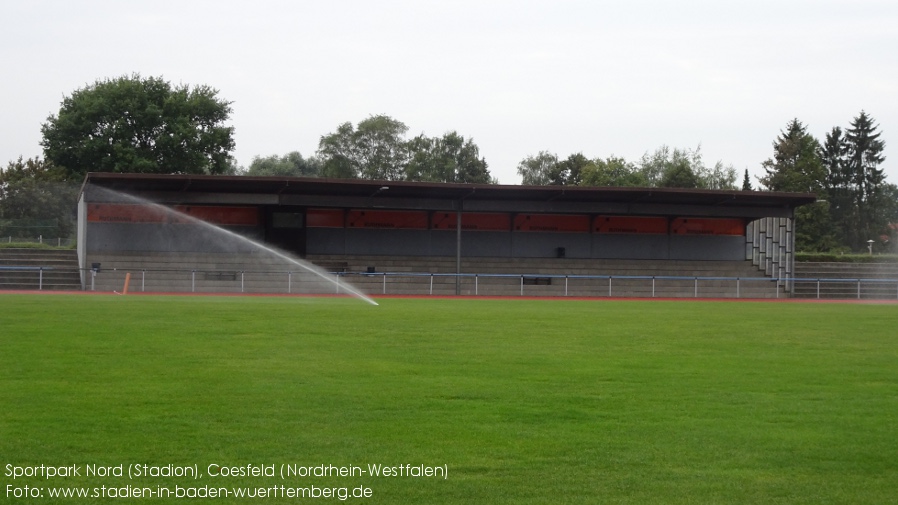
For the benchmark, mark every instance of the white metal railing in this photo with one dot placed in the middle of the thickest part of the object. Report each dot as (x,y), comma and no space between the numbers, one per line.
(40,239)
(879,288)
(40,274)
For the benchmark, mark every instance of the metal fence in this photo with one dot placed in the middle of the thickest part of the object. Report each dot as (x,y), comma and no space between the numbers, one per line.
(40,239)
(386,283)
(38,281)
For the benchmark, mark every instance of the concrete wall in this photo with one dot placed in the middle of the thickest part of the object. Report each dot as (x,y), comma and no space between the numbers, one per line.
(523,244)
(163,237)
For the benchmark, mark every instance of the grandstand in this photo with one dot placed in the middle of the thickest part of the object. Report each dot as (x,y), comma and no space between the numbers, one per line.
(424,238)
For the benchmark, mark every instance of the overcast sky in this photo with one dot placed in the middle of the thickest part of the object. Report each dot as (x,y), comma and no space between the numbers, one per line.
(602,78)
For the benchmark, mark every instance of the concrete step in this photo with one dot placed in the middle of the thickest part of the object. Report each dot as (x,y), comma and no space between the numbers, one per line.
(878,280)
(58,269)
(544,277)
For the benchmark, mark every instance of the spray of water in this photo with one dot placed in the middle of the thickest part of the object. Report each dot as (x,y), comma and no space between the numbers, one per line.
(237,238)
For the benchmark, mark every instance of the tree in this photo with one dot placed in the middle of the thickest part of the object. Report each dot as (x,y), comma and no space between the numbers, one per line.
(374,149)
(863,157)
(537,170)
(746,182)
(664,161)
(144,125)
(719,176)
(684,168)
(450,158)
(841,205)
(569,172)
(796,165)
(861,203)
(289,165)
(612,171)
(675,168)
(679,175)
(814,231)
(36,199)
(338,152)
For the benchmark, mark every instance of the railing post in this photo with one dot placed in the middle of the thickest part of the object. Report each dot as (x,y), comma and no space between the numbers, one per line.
(143,280)
(476,285)
(522,285)
(653,286)
(431,284)
(40,279)
(737,288)
(609,286)
(193,281)
(385,283)
(242,272)
(858,289)
(289,283)
(695,294)
(565,285)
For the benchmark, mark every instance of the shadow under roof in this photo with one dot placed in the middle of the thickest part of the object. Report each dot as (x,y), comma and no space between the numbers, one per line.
(429,195)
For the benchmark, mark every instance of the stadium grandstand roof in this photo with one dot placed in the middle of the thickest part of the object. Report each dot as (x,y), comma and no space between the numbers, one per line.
(248,190)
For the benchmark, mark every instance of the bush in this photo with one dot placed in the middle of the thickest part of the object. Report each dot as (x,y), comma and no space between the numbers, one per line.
(845,258)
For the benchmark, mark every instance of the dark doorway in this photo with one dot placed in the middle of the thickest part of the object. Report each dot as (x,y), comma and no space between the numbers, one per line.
(285,228)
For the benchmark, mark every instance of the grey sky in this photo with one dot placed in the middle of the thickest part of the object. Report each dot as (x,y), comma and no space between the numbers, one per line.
(518,77)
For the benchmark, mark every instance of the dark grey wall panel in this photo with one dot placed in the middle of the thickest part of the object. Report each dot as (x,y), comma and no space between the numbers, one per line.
(545,245)
(157,237)
(641,247)
(698,247)
(473,244)
(386,242)
(325,241)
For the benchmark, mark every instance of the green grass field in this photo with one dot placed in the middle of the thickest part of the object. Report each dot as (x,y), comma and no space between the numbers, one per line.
(523,401)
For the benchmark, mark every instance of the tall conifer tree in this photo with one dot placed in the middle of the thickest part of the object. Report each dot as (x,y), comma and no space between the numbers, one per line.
(865,179)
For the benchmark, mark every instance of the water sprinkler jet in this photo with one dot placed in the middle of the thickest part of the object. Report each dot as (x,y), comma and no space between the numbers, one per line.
(284,256)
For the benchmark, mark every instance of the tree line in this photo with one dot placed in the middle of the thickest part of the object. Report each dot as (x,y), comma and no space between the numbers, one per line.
(376,148)
(855,203)
(662,168)
(147,125)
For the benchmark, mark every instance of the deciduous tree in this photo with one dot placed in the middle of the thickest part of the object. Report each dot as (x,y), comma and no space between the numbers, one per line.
(374,149)
(34,191)
(537,170)
(569,172)
(450,158)
(612,171)
(137,124)
(292,164)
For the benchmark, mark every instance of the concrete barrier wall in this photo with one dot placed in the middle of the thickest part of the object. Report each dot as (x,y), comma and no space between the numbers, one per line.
(524,244)
(161,237)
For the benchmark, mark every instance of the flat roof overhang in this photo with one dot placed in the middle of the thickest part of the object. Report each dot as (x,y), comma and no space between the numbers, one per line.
(360,193)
